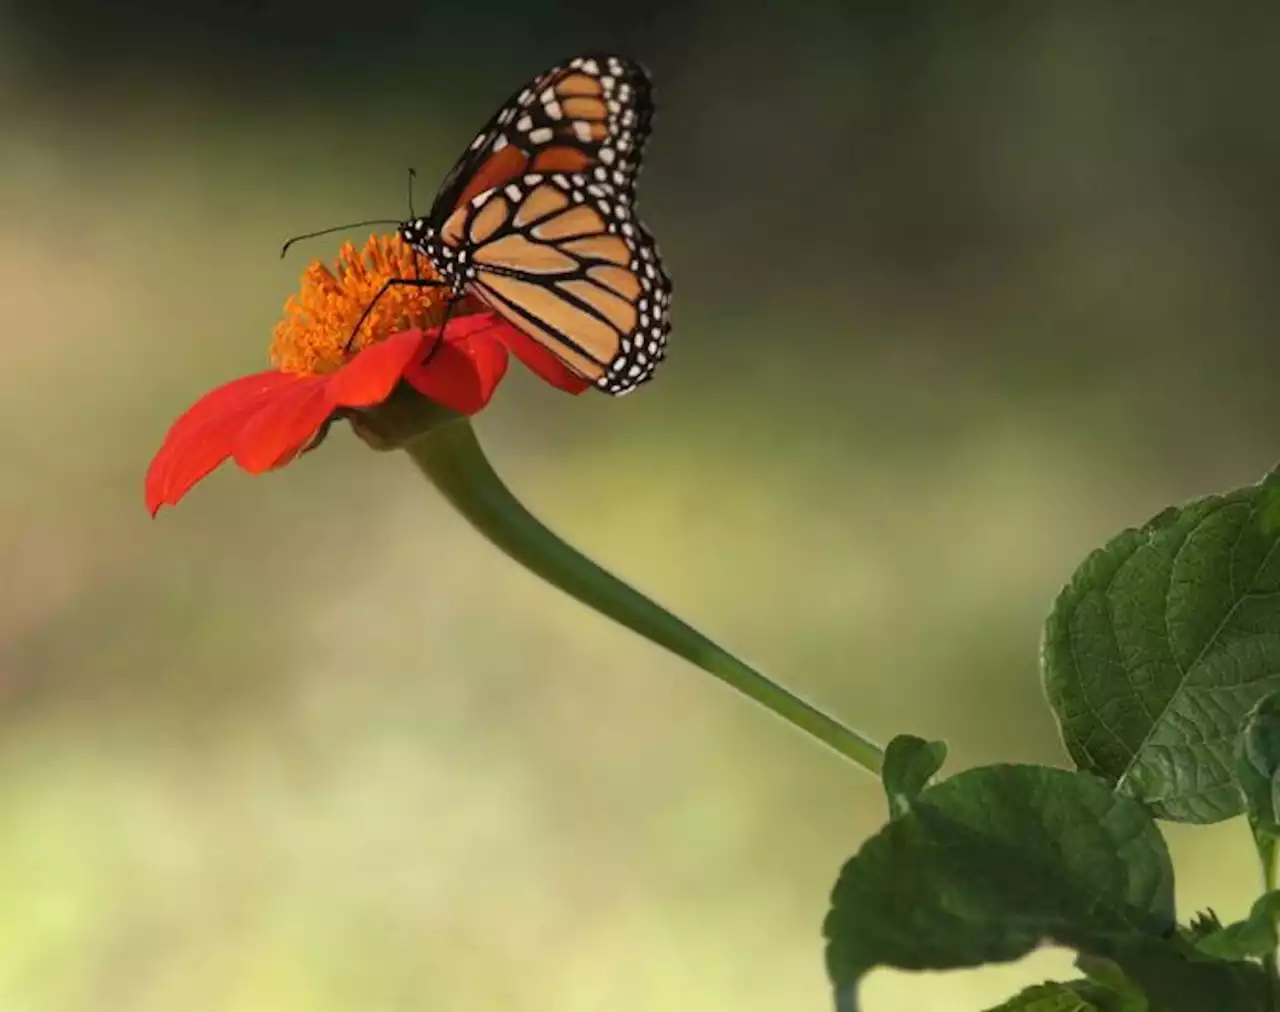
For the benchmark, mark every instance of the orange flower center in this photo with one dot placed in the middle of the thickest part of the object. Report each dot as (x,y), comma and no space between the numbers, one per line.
(318,333)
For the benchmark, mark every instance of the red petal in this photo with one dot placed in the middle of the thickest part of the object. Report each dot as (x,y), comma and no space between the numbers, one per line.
(370,377)
(202,437)
(276,433)
(541,361)
(463,372)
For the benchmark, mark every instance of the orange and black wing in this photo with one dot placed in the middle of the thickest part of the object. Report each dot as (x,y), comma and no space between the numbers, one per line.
(590,114)
(563,257)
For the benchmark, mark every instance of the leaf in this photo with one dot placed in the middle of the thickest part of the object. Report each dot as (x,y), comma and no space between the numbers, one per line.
(995,861)
(1258,766)
(1178,979)
(1271,508)
(1202,925)
(1122,994)
(1252,938)
(1073,996)
(1160,644)
(909,764)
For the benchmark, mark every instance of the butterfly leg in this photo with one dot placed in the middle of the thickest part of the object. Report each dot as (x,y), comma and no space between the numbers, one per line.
(411,282)
(436,344)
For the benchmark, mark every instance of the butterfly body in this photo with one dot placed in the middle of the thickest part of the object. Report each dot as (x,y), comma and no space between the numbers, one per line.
(537,220)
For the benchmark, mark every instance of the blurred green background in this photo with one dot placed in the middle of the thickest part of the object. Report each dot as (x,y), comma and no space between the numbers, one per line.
(959,294)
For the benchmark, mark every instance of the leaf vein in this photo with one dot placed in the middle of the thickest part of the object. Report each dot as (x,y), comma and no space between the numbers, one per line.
(1209,640)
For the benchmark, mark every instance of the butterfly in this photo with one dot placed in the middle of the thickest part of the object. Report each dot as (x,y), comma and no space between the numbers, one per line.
(537,220)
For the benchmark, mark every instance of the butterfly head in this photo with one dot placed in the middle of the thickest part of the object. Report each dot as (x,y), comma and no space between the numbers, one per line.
(424,237)
(417,232)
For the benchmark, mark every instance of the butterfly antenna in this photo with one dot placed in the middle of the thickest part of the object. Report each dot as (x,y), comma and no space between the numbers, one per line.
(336,228)
(412,172)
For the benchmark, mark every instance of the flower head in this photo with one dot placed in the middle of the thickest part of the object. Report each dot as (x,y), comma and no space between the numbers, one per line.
(325,368)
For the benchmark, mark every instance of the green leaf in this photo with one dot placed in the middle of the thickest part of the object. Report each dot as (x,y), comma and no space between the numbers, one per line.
(993,862)
(909,764)
(1122,994)
(1252,938)
(1202,925)
(1271,508)
(1258,766)
(1160,644)
(1073,996)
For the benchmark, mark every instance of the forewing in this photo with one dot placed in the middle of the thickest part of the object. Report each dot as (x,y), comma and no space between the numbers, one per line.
(590,114)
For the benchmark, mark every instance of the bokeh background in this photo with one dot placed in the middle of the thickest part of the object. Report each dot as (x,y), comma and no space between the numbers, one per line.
(961,292)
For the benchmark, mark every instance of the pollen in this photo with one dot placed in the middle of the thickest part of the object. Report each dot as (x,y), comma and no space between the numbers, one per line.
(318,332)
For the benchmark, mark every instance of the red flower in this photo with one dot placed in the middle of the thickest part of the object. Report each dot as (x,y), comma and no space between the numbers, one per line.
(266,420)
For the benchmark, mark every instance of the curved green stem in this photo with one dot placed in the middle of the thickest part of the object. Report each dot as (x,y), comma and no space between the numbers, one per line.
(452,459)
(1267,852)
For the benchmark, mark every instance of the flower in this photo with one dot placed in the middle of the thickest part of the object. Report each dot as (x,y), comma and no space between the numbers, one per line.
(402,384)
(321,373)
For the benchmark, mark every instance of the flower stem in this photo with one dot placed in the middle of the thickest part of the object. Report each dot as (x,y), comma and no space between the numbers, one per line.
(1267,852)
(452,459)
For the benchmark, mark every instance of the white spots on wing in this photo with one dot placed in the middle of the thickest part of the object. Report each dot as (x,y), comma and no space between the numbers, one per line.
(537,118)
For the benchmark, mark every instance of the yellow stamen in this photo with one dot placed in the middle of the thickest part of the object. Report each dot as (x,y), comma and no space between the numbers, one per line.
(318,321)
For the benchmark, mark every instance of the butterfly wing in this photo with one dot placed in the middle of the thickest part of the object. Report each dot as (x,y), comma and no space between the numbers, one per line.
(537,220)
(590,114)
(563,258)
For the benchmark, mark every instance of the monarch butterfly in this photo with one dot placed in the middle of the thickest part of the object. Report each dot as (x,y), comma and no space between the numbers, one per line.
(537,221)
